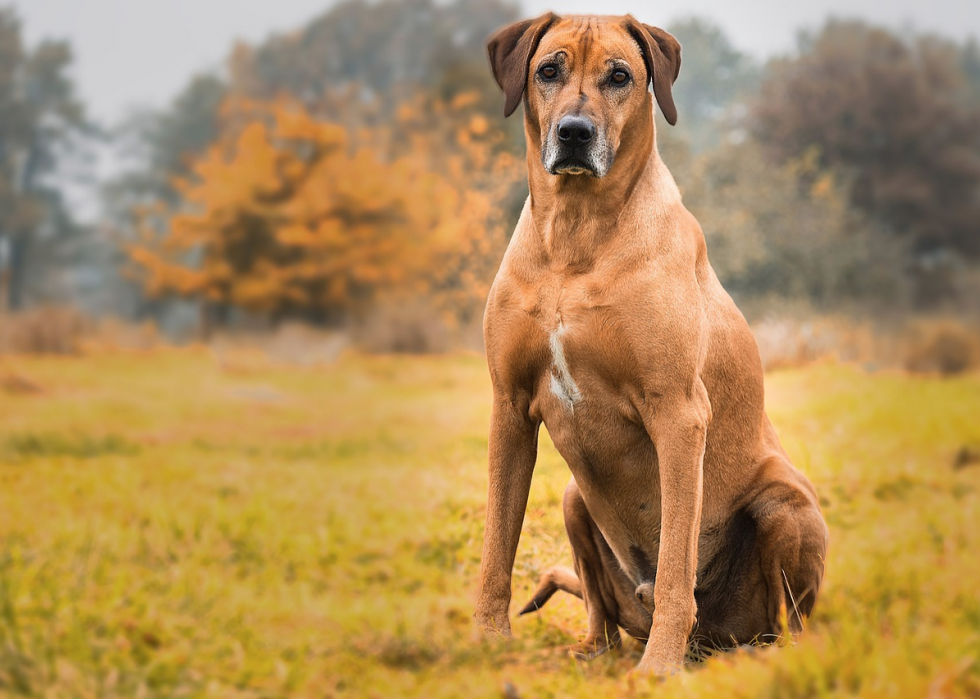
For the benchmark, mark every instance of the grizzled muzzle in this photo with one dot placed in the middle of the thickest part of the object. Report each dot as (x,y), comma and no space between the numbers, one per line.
(576,147)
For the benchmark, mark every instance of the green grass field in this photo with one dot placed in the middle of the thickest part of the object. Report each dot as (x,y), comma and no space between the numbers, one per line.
(172,526)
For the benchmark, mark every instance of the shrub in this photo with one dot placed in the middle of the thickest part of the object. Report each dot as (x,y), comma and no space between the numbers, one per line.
(946,347)
(44,330)
(413,328)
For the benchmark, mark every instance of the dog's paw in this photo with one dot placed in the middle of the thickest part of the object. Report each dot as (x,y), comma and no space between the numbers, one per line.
(656,667)
(644,593)
(587,650)
(493,626)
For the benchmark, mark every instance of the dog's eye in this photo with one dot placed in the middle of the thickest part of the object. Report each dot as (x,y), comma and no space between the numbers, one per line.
(619,77)
(548,72)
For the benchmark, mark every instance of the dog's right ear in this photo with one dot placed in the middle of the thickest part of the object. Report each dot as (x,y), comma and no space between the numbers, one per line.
(510,52)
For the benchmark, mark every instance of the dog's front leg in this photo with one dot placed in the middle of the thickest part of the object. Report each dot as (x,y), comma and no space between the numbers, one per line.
(678,429)
(513,450)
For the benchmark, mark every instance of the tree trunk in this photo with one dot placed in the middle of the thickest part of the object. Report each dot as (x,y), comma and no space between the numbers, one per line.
(16,273)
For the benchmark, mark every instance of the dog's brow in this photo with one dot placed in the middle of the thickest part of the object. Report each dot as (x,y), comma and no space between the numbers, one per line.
(589,32)
(558,55)
(582,29)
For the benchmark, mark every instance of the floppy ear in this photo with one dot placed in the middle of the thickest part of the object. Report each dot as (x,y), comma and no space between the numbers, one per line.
(662,55)
(510,52)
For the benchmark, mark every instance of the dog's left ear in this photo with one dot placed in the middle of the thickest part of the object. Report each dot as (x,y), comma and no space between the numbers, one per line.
(510,52)
(662,55)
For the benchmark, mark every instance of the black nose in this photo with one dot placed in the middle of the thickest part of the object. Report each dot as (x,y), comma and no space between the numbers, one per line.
(575,129)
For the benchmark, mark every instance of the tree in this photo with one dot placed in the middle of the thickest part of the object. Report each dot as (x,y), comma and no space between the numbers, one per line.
(388,50)
(164,144)
(715,83)
(285,219)
(361,65)
(39,114)
(786,231)
(900,117)
(359,61)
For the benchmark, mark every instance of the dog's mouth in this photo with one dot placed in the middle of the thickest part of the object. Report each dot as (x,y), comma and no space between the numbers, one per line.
(573,167)
(586,160)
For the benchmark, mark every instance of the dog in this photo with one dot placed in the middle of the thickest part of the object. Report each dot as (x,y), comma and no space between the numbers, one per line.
(606,322)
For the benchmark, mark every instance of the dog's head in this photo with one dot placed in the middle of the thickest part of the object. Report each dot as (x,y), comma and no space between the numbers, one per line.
(583,79)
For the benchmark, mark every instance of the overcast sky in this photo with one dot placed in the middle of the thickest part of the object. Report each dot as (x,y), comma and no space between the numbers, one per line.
(141,52)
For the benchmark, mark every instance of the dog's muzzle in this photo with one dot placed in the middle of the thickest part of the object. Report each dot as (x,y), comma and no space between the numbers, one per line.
(576,147)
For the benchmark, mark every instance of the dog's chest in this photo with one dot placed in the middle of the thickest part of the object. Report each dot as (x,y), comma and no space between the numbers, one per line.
(585,345)
(561,383)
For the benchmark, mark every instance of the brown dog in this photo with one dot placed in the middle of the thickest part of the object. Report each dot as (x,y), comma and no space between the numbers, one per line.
(607,324)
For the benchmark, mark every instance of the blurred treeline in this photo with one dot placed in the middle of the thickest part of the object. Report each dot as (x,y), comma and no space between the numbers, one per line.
(358,173)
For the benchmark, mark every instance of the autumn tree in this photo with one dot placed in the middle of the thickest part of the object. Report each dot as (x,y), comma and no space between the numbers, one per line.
(287,219)
(370,68)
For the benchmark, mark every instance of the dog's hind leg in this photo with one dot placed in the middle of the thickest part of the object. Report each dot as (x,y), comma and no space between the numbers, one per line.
(606,589)
(765,578)
(792,539)
(600,603)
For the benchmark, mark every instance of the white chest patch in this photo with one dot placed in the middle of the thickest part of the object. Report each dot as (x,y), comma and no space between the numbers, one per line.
(562,383)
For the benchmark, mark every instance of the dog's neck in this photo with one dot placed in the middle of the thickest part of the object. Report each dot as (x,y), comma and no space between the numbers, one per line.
(577,216)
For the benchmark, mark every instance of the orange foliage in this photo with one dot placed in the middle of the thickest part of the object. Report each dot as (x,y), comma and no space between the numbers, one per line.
(289,215)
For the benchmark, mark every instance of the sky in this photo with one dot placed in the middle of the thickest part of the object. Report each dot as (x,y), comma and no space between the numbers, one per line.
(140,53)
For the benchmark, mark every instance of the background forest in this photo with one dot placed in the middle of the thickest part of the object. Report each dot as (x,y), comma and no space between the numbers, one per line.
(356,174)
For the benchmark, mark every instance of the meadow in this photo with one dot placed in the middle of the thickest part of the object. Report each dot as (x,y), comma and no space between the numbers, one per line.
(177,524)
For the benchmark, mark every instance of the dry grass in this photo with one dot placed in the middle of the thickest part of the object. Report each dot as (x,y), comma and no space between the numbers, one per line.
(409,328)
(64,330)
(16,382)
(941,346)
(170,527)
(45,330)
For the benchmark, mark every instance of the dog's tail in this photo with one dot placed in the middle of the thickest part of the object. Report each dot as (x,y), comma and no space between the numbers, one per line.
(553,579)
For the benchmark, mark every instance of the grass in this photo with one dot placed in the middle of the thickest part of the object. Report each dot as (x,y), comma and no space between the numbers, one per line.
(171,526)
